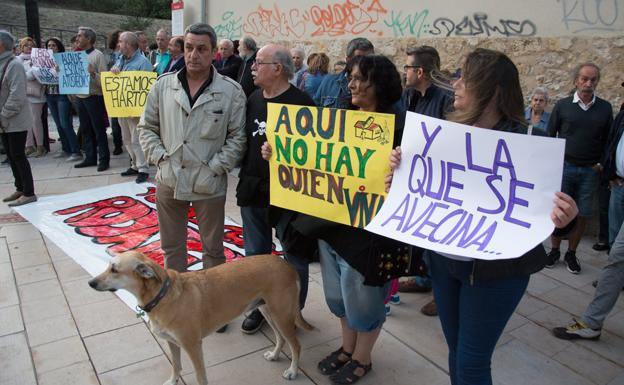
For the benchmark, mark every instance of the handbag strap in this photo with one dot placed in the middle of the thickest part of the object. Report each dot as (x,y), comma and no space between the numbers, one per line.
(4,71)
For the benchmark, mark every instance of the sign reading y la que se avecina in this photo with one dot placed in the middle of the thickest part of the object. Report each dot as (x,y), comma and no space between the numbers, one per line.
(73,72)
(329,163)
(471,192)
(44,66)
(125,94)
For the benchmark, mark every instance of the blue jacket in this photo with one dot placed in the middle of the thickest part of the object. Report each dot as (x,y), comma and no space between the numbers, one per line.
(312,83)
(333,92)
(543,123)
(137,62)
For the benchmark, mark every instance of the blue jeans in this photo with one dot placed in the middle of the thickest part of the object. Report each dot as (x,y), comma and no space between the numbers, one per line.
(258,239)
(92,114)
(346,295)
(580,182)
(60,108)
(616,211)
(472,316)
(609,286)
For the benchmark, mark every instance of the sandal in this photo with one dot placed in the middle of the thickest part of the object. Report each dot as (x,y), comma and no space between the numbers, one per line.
(346,375)
(331,364)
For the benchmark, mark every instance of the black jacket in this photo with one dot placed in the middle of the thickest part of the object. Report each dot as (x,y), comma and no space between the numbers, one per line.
(608,162)
(229,67)
(244,77)
(177,66)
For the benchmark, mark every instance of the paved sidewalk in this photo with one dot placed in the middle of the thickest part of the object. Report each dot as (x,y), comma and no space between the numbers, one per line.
(54,329)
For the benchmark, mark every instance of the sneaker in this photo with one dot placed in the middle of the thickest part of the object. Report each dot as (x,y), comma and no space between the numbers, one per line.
(142,177)
(74,158)
(572,262)
(130,172)
(388,310)
(395,299)
(553,258)
(253,322)
(575,331)
(23,200)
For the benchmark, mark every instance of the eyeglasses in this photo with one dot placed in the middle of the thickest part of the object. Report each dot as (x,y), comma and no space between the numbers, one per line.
(406,67)
(259,63)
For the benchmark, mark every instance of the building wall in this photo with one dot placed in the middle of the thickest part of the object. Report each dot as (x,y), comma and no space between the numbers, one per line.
(545,38)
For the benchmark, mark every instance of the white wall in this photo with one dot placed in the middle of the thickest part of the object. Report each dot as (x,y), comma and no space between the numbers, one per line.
(345,19)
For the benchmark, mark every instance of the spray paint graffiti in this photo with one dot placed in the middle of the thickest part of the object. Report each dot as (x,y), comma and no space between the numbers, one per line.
(413,24)
(478,25)
(272,23)
(587,15)
(346,18)
(230,26)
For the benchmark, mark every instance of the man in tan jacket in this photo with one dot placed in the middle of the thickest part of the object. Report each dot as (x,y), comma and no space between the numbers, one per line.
(193,130)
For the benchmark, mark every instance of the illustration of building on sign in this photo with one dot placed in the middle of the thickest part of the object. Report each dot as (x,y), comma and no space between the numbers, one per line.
(368,129)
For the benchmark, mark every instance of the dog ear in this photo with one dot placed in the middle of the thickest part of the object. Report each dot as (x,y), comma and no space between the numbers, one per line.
(144,271)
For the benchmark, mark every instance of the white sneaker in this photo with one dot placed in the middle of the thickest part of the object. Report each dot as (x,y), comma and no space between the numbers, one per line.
(74,157)
(576,330)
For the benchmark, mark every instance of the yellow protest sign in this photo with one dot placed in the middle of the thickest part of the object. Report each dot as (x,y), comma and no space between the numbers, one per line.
(125,94)
(329,163)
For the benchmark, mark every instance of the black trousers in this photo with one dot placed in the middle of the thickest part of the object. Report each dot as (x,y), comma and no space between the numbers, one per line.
(14,144)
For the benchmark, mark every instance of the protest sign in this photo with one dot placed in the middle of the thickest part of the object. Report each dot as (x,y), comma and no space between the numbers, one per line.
(125,94)
(471,192)
(73,72)
(44,66)
(329,163)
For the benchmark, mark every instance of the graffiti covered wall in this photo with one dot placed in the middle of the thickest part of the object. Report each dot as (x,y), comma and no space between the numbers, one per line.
(546,38)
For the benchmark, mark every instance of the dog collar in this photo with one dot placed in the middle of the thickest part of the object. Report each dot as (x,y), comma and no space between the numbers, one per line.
(163,291)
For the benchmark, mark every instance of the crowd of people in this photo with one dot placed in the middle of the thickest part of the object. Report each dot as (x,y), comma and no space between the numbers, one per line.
(206,114)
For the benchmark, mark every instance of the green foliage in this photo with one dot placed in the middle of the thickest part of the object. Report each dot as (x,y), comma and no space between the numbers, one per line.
(134,9)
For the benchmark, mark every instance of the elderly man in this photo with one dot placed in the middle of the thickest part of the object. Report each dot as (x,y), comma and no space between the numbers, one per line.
(334,90)
(91,109)
(176,49)
(132,60)
(143,43)
(15,121)
(298,57)
(229,63)
(271,70)
(583,120)
(193,130)
(247,50)
(160,57)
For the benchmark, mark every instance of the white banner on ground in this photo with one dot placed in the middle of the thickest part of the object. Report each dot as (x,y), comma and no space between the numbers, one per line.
(91,225)
(471,192)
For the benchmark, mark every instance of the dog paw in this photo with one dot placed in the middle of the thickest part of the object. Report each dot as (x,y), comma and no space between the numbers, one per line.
(269,356)
(290,374)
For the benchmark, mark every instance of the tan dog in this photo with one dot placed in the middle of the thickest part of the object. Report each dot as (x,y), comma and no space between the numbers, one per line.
(185,307)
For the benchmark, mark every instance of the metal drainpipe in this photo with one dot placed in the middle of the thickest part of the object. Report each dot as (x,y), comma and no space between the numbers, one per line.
(203,11)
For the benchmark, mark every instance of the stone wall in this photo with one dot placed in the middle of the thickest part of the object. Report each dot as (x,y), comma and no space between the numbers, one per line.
(546,62)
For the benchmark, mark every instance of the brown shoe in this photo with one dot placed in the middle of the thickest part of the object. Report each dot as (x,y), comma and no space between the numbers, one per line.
(411,286)
(430,309)
(23,200)
(13,196)
(41,151)
(29,150)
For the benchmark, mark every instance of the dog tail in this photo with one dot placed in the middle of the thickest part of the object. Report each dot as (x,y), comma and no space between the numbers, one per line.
(302,323)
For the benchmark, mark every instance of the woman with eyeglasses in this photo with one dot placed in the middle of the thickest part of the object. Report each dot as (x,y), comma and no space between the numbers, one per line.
(476,298)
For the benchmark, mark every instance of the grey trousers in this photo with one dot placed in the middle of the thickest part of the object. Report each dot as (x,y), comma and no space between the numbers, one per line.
(130,139)
(173,222)
(609,286)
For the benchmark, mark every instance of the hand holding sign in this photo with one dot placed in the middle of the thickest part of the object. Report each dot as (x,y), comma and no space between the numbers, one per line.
(125,92)
(469,191)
